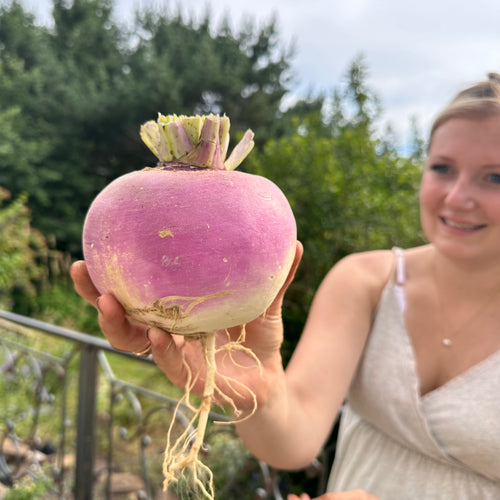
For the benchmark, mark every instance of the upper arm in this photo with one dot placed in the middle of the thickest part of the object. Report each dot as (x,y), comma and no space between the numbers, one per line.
(325,360)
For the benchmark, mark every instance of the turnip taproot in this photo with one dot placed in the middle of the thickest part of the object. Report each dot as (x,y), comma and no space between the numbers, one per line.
(192,247)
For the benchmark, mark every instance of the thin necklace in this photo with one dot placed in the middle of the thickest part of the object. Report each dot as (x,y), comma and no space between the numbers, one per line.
(452,336)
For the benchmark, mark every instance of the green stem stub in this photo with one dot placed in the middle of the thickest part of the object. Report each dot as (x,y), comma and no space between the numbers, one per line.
(199,141)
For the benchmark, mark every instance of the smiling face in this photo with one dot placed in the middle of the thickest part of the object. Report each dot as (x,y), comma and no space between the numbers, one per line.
(460,190)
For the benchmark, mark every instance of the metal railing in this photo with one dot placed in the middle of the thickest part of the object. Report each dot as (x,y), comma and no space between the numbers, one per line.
(50,381)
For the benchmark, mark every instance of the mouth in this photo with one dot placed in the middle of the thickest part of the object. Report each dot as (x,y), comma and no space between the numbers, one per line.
(461,226)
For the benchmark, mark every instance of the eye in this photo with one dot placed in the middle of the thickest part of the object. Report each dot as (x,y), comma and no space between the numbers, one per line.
(440,168)
(493,178)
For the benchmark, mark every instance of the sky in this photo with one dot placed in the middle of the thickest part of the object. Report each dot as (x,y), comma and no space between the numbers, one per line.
(419,54)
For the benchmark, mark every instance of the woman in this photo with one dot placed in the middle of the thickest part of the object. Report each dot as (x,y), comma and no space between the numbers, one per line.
(408,339)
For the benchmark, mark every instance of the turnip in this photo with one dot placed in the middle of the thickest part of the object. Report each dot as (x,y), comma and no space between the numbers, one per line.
(193,247)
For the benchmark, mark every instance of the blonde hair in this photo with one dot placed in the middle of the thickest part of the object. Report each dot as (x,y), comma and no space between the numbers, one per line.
(479,101)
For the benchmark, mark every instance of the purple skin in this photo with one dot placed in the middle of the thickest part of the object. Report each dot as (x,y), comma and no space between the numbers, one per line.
(190,251)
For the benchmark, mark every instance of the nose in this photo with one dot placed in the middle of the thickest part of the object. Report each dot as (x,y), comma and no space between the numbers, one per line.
(461,194)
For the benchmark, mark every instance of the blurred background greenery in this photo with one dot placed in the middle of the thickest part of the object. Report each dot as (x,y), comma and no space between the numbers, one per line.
(72,98)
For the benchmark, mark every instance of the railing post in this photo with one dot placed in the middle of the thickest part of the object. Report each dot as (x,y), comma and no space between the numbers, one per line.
(85,439)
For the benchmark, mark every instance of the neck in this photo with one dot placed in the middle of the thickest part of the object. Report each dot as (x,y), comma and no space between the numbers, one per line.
(464,278)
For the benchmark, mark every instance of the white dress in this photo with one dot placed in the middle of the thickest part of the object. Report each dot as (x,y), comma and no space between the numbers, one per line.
(398,445)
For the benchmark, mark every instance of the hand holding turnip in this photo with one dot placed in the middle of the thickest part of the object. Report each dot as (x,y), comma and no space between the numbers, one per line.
(177,358)
(196,249)
(264,336)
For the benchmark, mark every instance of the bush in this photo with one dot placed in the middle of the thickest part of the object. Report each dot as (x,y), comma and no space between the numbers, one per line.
(21,250)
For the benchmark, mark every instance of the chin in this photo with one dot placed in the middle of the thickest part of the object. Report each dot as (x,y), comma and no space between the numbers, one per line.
(467,253)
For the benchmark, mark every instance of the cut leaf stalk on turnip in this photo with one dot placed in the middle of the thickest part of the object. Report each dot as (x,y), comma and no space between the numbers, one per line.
(192,247)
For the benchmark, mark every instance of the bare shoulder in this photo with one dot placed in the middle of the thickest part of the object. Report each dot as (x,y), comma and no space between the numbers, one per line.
(369,267)
(364,274)
(374,265)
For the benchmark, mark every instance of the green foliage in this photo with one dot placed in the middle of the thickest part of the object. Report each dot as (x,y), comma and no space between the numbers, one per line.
(30,488)
(231,464)
(22,155)
(349,192)
(77,93)
(20,249)
(58,303)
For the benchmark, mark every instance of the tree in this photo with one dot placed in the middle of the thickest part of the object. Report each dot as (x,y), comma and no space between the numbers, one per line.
(197,69)
(348,193)
(18,34)
(83,88)
(24,143)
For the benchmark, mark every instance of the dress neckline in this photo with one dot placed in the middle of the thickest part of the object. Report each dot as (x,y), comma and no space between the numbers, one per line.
(399,276)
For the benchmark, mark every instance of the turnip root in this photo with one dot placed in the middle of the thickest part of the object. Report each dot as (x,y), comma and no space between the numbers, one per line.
(192,247)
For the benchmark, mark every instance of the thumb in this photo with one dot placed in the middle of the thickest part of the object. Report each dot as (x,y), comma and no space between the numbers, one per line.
(275,308)
(167,355)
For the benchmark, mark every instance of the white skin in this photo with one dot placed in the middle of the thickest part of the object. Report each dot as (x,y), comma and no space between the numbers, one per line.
(448,282)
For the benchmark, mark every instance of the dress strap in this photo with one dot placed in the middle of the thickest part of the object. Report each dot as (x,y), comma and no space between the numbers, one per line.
(399,277)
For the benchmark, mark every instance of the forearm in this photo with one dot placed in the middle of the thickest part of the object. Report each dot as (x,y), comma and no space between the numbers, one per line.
(283,432)
(292,424)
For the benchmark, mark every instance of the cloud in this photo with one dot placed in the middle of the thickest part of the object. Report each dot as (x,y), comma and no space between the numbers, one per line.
(419,54)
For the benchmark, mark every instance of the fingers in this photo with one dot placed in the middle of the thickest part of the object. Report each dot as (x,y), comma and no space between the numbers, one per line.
(121,333)
(299,251)
(167,355)
(345,495)
(83,284)
(348,495)
(131,336)
(275,307)
(126,335)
